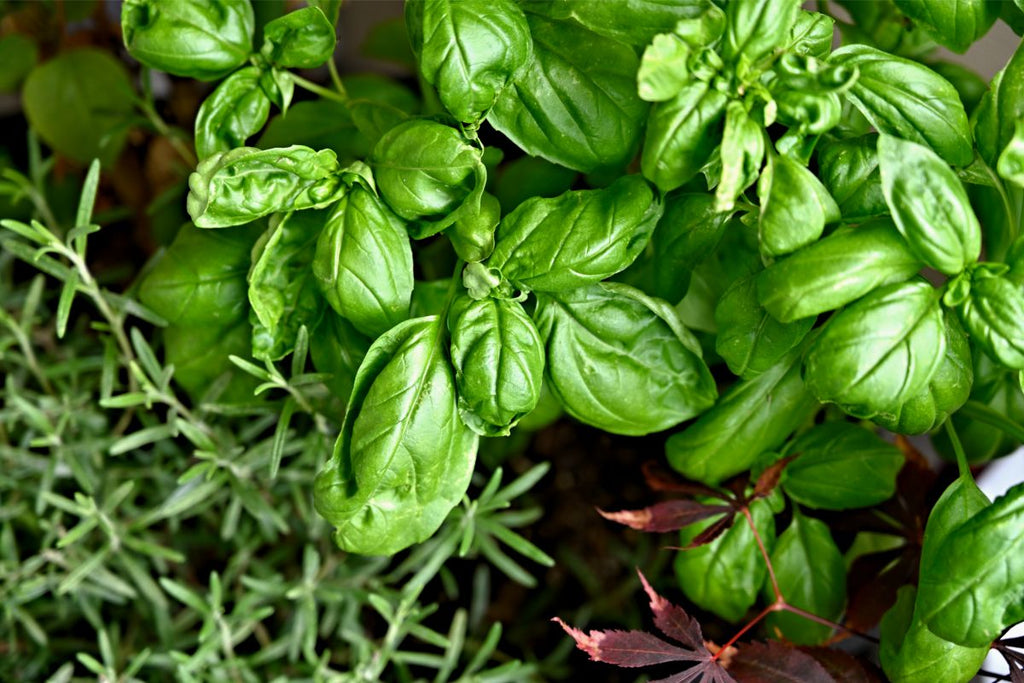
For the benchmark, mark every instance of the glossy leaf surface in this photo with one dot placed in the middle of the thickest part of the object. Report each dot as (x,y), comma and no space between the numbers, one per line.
(303,39)
(234,111)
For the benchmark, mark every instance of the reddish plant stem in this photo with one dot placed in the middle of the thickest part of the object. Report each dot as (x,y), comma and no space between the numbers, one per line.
(764,555)
(774,607)
(825,622)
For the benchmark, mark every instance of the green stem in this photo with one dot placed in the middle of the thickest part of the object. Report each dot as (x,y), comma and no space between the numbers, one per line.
(319,90)
(453,288)
(961,457)
(982,413)
(336,79)
(1011,216)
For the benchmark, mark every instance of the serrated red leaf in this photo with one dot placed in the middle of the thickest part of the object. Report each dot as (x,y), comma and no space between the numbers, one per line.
(773,662)
(628,649)
(673,620)
(660,479)
(670,515)
(842,666)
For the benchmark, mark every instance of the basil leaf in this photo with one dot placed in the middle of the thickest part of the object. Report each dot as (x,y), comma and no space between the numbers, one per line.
(236,110)
(200,279)
(682,133)
(878,352)
(246,183)
(403,459)
(725,576)
(753,28)
(795,206)
(199,354)
(472,234)
(318,124)
(202,39)
(953,23)
(807,542)
(576,103)
(18,54)
(742,153)
(423,168)
(527,177)
(337,348)
(910,653)
(993,314)
(1011,161)
(282,291)
(688,232)
(971,588)
(960,502)
(468,50)
(749,339)
(839,466)
(664,68)
(811,35)
(303,39)
(929,205)
(634,22)
(498,357)
(835,270)
(908,100)
(849,171)
(363,262)
(621,362)
(947,390)
(1000,109)
(728,439)
(577,238)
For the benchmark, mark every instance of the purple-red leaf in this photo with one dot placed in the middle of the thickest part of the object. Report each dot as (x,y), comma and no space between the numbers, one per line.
(769,479)
(670,515)
(842,666)
(774,662)
(659,479)
(673,620)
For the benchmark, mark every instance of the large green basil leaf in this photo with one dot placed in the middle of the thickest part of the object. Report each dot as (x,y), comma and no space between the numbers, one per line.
(725,576)
(993,314)
(576,104)
(1011,160)
(634,22)
(232,113)
(577,238)
(807,543)
(203,39)
(403,458)
(839,466)
(621,361)
(880,351)
(749,339)
(929,205)
(81,104)
(907,99)
(681,135)
(337,348)
(742,153)
(849,171)
(282,291)
(468,50)
(1000,109)
(688,232)
(246,183)
(363,262)
(200,280)
(424,168)
(836,270)
(499,363)
(753,28)
(910,653)
(795,206)
(961,501)
(971,588)
(728,439)
(199,354)
(954,23)
(303,39)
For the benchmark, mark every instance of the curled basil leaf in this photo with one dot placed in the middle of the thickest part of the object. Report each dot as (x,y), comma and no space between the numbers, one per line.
(577,238)
(971,588)
(839,466)
(681,135)
(929,205)
(955,24)
(753,28)
(234,111)
(908,100)
(795,206)
(947,390)
(468,50)
(576,102)
(203,39)
(835,270)
(499,363)
(200,280)
(403,458)
(423,168)
(282,290)
(303,39)
(993,314)
(811,34)
(472,234)
(880,351)
(742,153)
(849,171)
(621,361)
(246,183)
(728,439)
(363,262)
